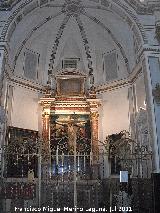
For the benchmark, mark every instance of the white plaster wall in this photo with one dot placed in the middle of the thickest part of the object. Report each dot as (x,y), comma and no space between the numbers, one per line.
(71,45)
(114,112)
(40,42)
(24,109)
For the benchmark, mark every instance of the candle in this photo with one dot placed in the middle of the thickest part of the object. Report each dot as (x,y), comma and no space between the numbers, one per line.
(68,162)
(78,162)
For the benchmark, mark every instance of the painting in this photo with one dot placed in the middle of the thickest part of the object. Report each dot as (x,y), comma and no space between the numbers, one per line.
(19,152)
(60,131)
(71,86)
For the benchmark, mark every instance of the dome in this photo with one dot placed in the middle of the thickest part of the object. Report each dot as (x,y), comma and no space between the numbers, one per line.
(89,31)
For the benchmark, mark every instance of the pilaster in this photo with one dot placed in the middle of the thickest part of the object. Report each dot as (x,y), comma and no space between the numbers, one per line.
(2,58)
(3,116)
(151,68)
(157,19)
(45,123)
(94,125)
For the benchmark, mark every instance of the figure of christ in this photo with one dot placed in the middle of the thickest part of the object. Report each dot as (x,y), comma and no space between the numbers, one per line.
(72,130)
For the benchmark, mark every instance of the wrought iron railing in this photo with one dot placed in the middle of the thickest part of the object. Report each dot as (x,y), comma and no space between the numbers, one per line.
(44,173)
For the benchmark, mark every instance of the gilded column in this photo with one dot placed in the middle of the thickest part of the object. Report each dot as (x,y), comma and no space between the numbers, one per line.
(46,129)
(94,129)
(95,149)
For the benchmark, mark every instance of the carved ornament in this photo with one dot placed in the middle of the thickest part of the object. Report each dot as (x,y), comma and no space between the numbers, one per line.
(94,115)
(158,32)
(72,8)
(156,94)
(5,4)
(92,92)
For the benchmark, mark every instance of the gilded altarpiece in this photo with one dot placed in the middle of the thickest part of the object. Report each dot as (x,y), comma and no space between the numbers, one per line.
(70,100)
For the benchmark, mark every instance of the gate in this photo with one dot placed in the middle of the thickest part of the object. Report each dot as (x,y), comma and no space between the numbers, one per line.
(44,177)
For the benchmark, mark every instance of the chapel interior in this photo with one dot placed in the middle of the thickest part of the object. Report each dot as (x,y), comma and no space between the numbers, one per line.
(80,104)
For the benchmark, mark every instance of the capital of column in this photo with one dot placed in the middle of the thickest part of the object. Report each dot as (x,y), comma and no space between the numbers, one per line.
(45,114)
(94,115)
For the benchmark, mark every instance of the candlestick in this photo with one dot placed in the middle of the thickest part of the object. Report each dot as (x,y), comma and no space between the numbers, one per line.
(84,163)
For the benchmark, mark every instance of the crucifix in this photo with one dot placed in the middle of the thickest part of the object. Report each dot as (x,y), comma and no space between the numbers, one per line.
(73,124)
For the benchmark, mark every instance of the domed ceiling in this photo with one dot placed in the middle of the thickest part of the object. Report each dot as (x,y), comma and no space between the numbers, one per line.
(87,30)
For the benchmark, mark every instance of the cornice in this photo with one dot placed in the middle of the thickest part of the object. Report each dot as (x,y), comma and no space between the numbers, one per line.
(70,72)
(153,49)
(25,83)
(149,49)
(109,86)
